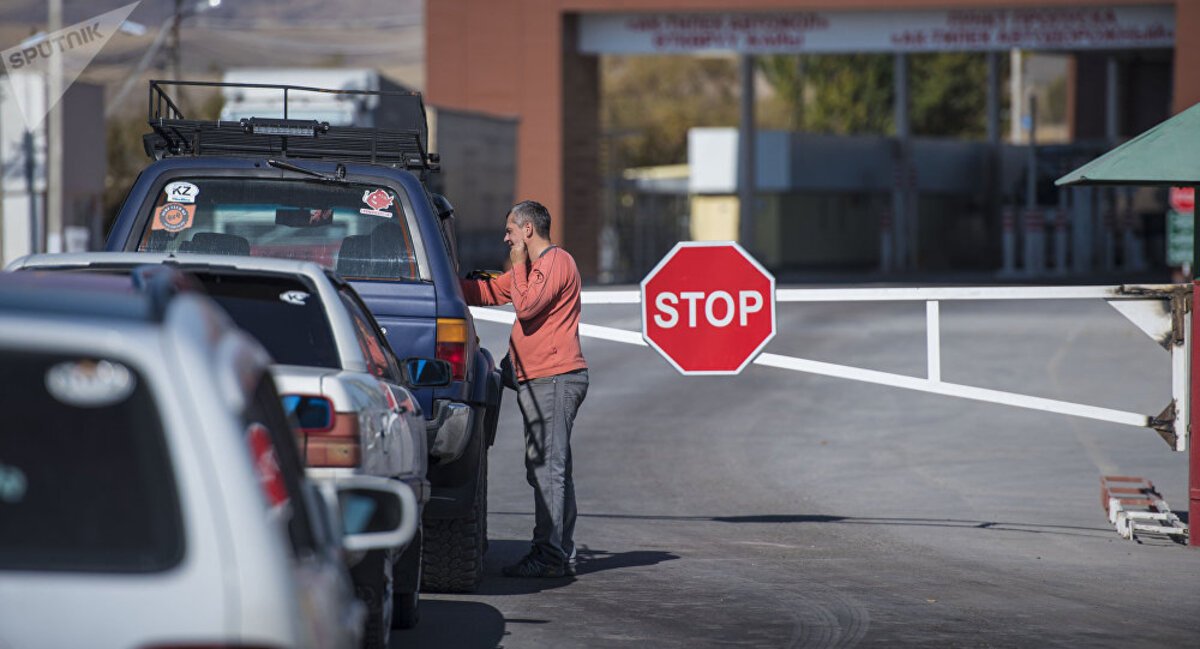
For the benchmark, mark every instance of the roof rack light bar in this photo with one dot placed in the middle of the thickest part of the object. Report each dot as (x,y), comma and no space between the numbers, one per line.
(288,127)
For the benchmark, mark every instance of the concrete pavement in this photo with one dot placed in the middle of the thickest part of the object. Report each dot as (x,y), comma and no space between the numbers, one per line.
(778,509)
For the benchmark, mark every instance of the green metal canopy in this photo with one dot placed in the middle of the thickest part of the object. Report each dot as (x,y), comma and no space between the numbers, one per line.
(1168,154)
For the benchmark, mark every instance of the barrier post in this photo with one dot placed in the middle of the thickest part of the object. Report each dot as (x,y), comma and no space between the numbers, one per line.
(1194,400)
(1008,238)
(886,244)
(899,220)
(1060,241)
(1108,234)
(1035,245)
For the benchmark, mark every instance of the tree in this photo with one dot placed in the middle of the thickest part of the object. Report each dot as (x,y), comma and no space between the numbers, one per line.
(853,93)
(650,102)
(850,94)
(949,94)
(127,156)
(784,109)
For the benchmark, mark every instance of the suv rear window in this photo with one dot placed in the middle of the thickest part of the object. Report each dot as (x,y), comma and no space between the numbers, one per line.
(86,483)
(285,315)
(360,231)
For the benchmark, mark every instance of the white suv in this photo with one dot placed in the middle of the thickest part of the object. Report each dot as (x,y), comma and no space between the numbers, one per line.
(151,490)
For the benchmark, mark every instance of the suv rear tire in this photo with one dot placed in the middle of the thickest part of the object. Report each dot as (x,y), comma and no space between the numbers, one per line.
(452,561)
(373,585)
(406,599)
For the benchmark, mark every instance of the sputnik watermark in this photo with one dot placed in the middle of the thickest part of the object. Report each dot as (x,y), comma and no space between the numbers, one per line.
(66,52)
(45,48)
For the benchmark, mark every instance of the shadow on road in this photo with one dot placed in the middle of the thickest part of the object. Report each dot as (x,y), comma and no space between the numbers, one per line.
(590,560)
(1027,528)
(502,552)
(463,625)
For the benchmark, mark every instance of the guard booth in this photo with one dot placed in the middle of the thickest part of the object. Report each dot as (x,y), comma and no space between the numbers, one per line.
(1164,156)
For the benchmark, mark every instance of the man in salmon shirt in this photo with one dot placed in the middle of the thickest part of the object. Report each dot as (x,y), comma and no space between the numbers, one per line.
(551,374)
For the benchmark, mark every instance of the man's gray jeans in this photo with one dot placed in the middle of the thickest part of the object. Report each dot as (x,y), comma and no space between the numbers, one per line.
(548,406)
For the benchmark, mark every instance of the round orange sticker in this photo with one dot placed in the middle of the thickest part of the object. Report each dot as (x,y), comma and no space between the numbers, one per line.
(173,217)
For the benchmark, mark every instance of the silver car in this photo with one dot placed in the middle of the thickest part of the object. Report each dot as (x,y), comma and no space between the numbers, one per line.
(339,377)
(151,491)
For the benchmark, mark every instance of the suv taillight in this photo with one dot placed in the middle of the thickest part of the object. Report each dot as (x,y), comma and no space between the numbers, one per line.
(266,465)
(337,446)
(329,439)
(452,345)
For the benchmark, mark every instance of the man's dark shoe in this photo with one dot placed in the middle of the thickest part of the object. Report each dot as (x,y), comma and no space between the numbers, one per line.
(530,567)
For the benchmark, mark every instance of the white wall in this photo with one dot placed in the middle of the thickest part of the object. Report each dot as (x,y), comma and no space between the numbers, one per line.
(84,165)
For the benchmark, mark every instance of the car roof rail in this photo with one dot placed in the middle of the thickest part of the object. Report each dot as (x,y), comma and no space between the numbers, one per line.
(281,136)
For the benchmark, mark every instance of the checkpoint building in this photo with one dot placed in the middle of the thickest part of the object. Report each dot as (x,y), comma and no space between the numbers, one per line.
(538,62)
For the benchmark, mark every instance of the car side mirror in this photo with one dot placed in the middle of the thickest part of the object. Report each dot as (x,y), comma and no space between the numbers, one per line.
(376,513)
(426,373)
(444,209)
(313,414)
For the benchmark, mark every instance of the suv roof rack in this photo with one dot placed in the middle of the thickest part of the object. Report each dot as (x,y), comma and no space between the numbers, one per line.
(176,135)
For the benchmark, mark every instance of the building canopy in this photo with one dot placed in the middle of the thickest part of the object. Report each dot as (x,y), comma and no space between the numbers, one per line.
(1163,155)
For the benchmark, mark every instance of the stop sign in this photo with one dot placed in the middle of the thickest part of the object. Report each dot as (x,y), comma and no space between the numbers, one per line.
(708,307)
(1182,199)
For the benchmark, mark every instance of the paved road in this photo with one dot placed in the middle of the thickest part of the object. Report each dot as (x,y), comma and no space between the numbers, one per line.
(778,509)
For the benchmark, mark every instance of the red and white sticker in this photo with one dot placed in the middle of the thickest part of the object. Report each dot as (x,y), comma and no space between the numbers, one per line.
(378,202)
(266,464)
(173,217)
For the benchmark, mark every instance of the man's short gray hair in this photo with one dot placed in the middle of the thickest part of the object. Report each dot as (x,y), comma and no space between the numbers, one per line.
(535,213)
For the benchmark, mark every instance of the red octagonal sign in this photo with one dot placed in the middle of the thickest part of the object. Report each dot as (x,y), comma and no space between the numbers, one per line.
(708,307)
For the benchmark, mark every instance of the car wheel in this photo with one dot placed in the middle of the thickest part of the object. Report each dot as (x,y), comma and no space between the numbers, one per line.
(406,611)
(453,556)
(373,585)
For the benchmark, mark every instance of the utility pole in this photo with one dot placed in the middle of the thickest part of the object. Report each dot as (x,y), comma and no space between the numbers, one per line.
(177,53)
(54,140)
(176,46)
(1016,91)
(746,141)
(35,234)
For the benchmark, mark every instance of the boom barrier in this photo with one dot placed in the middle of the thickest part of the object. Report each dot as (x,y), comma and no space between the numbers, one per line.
(1163,312)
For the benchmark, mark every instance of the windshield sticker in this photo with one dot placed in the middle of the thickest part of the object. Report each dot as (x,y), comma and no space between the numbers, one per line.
(89,384)
(13,484)
(294,297)
(181,192)
(320,217)
(379,201)
(173,217)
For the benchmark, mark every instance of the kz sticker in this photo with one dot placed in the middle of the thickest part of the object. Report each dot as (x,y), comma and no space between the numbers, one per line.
(378,200)
(294,297)
(181,192)
(173,217)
